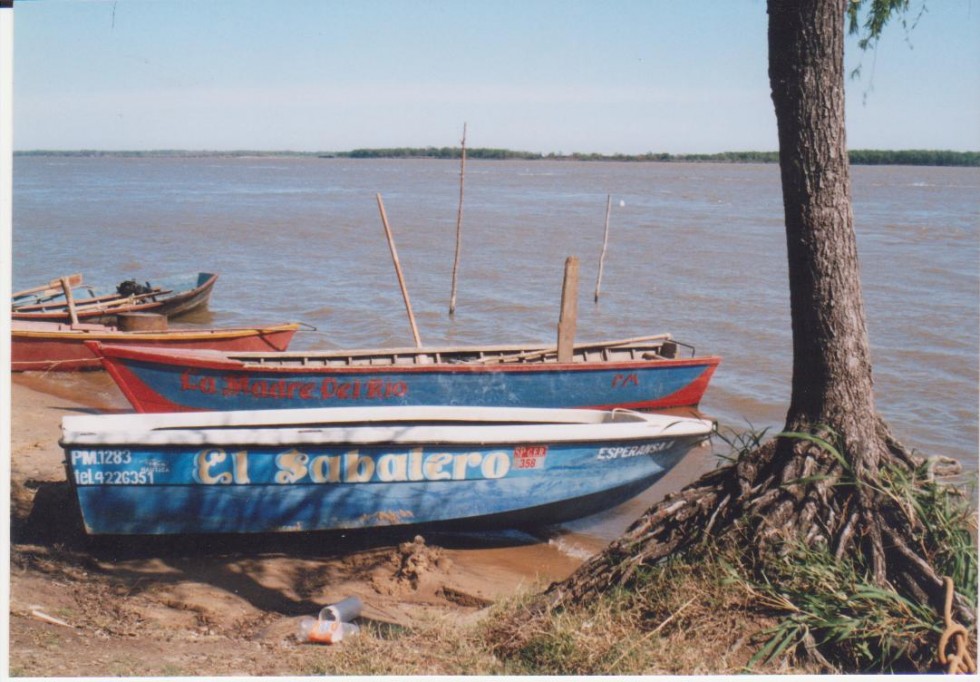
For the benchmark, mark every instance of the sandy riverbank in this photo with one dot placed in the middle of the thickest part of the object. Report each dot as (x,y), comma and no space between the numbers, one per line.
(217,605)
(205,606)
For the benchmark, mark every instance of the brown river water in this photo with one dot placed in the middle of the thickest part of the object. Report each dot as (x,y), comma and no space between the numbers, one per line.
(697,250)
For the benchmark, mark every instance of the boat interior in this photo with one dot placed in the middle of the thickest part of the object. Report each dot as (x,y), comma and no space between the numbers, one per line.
(647,348)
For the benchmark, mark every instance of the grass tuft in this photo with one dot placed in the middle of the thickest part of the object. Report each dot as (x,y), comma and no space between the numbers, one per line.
(740,443)
(681,617)
(830,604)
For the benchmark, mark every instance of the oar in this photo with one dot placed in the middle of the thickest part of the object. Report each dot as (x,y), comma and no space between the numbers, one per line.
(97,303)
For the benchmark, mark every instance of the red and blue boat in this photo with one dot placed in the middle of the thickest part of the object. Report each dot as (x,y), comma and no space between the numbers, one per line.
(640,374)
(277,471)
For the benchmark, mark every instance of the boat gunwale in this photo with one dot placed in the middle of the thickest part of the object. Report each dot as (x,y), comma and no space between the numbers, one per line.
(117,335)
(236,361)
(379,426)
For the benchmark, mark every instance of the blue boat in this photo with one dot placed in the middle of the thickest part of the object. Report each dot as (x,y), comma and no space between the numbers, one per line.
(645,373)
(273,471)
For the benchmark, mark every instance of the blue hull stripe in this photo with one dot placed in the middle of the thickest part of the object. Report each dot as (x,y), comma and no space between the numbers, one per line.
(207,389)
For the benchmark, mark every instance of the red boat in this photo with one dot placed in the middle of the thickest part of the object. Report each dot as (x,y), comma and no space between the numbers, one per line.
(53,346)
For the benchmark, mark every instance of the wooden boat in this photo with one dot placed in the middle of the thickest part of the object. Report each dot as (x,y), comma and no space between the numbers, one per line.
(642,373)
(55,346)
(171,297)
(271,471)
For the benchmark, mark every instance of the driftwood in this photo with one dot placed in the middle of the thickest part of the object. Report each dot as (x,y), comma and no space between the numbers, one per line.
(45,618)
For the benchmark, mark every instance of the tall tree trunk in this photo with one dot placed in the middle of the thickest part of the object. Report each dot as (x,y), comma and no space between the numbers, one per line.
(832,383)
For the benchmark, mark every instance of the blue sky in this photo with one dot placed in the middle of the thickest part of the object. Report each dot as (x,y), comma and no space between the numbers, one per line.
(539,75)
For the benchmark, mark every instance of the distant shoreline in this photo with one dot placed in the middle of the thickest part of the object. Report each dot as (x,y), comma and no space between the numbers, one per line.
(865,157)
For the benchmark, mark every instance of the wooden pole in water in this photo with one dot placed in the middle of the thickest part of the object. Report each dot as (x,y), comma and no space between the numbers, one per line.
(398,271)
(70,300)
(569,311)
(605,242)
(459,221)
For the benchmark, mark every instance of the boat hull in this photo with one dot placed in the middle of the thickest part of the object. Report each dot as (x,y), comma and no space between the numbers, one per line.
(170,382)
(180,295)
(52,346)
(508,476)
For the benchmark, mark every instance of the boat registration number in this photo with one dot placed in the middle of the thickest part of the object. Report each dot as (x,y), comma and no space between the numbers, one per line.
(530,456)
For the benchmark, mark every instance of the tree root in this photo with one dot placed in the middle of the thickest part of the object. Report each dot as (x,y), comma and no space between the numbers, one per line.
(781,492)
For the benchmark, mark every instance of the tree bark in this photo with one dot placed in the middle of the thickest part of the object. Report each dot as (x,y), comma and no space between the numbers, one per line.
(832,381)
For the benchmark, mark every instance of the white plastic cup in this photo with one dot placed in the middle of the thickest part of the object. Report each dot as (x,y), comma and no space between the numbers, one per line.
(319,631)
(344,611)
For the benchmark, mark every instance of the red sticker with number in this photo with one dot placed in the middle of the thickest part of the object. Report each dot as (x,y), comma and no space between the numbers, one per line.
(530,456)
